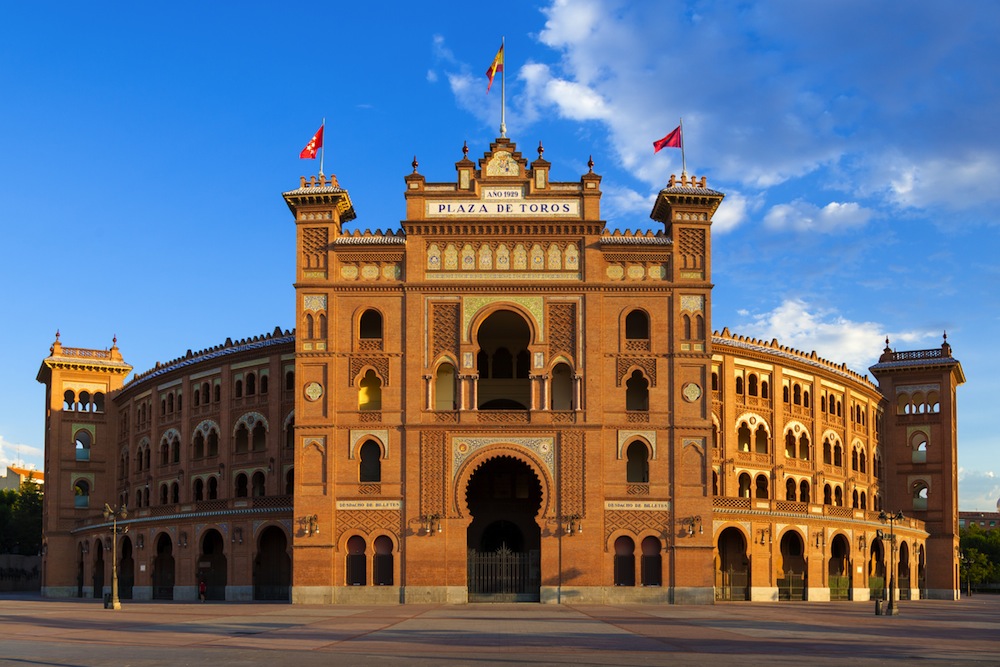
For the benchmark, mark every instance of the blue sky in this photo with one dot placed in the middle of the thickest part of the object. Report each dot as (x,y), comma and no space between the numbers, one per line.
(144,147)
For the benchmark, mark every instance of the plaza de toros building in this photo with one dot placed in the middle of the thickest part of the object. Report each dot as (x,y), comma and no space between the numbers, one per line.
(502,400)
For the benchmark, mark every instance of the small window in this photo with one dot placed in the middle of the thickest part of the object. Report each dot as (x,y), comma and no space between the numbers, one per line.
(370,325)
(637,463)
(637,325)
(371,464)
(82,443)
(81,493)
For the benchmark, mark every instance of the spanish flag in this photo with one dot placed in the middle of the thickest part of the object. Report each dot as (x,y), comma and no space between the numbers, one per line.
(495,66)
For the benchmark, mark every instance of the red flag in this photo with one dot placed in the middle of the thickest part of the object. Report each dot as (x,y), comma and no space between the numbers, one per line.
(672,140)
(309,152)
(495,66)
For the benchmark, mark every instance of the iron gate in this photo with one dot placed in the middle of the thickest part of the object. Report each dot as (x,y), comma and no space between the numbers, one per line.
(503,576)
(732,585)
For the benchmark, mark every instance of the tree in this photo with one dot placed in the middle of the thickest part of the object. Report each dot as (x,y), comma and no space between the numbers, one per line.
(980,555)
(21,519)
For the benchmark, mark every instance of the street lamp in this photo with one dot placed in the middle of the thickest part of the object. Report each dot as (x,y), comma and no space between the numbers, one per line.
(891,519)
(113,515)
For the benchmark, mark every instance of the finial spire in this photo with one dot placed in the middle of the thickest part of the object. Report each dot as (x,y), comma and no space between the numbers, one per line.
(590,164)
(414,164)
(541,149)
(465,150)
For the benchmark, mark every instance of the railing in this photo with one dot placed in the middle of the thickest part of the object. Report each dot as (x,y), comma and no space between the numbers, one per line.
(85,353)
(936,353)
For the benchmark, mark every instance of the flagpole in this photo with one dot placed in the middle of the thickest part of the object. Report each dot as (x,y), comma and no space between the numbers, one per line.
(323,145)
(684,168)
(503,89)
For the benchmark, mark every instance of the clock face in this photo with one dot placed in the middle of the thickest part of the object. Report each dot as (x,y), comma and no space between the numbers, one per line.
(692,392)
(502,164)
(313,391)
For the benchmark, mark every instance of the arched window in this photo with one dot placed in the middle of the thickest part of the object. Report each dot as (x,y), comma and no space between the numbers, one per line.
(257,484)
(259,437)
(743,437)
(637,463)
(444,388)
(804,447)
(251,384)
(82,442)
(289,380)
(797,394)
(561,388)
(370,325)
(637,392)
(370,469)
(175,493)
(170,403)
(652,562)
(242,439)
(715,381)
(99,402)
(921,493)
(838,455)
(290,481)
(197,397)
(739,384)
(263,383)
(199,445)
(760,440)
(761,484)
(790,490)
(357,574)
(744,485)
(827,495)
(69,400)
(827,452)
(752,385)
(804,491)
(838,496)
(213,443)
(164,452)
(764,389)
(199,490)
(382,561)
(637,325)
(370,392)
(790,447)
(213,487)
(217,393)
(624,561)
(81,494)
(290,434)
(238,389)
(164,494)
(241,486)
(175,450)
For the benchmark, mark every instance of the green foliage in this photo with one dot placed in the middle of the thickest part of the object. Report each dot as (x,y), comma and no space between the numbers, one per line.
(981,555)
(21,519)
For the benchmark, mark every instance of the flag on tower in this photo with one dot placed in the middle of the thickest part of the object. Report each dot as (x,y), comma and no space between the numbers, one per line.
(495,66)
(309,152)
(672,140)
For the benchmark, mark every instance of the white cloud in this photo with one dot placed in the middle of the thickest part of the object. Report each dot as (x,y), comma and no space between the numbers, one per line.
(978,490)
(734,211)
(12,453)
(432,76)
(806,328)
(803,216)
(958,183)
(621,202)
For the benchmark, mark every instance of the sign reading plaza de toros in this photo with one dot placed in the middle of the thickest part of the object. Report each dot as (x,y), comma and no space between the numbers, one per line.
(503,201)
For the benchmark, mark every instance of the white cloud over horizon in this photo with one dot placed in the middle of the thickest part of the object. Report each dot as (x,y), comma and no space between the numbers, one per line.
(12,453)
(807,328)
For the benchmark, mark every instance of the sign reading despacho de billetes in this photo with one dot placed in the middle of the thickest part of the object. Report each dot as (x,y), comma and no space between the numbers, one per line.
(641,505)
(501,202)
(369,504)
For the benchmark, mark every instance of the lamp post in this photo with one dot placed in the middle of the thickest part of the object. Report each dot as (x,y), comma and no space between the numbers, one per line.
(113,515)
(891,519)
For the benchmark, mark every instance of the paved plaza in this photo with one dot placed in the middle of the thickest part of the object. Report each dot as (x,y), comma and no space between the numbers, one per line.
(82,632)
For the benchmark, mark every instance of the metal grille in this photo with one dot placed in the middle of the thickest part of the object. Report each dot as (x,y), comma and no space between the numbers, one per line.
(503,576)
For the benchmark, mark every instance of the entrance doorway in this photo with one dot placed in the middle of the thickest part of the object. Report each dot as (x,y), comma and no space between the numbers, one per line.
(504,541)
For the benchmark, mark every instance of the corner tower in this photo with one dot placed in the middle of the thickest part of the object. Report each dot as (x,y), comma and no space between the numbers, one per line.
(920,454)
(80,452)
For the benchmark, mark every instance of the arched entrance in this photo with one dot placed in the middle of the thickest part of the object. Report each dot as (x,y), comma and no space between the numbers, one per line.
(504,541)
(98,569)
(792,583)
(876,571)
(272,567)
(163,569)
(212,565)
(903,571)
(126,570)
(839,569)
(732,575)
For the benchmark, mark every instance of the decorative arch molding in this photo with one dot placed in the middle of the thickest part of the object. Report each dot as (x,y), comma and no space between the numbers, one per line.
(559,359)
(649,437)
(744,528)
(319,442)
(369,524)
(360,365)
(797,428)
(469,454)
(753,419)
(645,365)
(169,435)
(250,420)
(475,309)
(205,427)
(89,428)
(636,524)
(285,525)
(289,418)
(380,436)
(831,435)
(445,358)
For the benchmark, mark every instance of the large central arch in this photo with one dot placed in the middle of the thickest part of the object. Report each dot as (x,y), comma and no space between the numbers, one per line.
(504,497)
